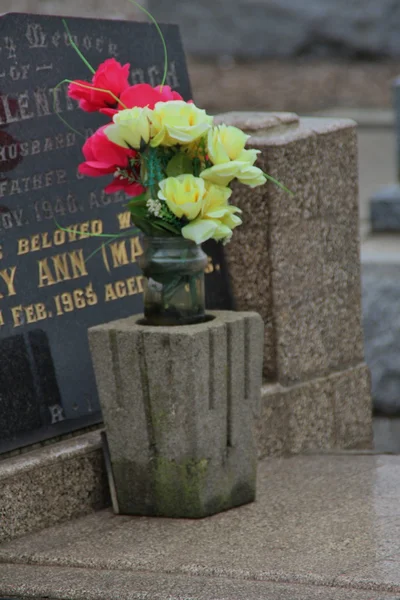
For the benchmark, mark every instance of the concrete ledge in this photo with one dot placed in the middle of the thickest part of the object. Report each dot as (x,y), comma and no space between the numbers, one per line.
(328,521)
(51,485)
(68,479)
(62,583)
(320,414)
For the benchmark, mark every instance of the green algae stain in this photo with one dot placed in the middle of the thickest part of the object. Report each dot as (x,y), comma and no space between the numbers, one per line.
(178,487)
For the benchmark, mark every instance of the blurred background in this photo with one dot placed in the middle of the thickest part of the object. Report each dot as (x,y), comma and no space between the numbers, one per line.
(335,58)
(293,55)
(332,57)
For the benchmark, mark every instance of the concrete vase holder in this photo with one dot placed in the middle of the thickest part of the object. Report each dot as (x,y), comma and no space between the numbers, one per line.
(179,406)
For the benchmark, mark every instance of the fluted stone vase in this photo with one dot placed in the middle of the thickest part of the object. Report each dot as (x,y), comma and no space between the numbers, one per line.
(179,407)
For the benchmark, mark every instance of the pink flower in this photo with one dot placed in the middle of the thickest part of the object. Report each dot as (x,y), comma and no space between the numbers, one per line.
(143,94)
(131,189)
(103,157)
(111,76)
(167,93)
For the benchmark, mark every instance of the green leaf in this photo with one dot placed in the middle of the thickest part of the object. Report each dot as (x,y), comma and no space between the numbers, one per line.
(138,200)
(178,165)
(278,183)
(167,226)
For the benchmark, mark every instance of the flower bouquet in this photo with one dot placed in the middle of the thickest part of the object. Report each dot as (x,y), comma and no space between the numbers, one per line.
(177,168)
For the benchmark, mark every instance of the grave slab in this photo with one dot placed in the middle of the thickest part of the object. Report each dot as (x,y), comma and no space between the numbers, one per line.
(49,485)
(89,584)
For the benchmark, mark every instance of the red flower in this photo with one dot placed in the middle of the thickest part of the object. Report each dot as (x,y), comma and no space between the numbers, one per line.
(167,93)
(143,94)
(131,189)
(104,157)
(111,76)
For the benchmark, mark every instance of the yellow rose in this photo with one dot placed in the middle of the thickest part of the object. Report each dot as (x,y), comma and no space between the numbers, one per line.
(226,143)
(217,217)
(215,201)
(183,195)
(177,122)
(131,128)
(223,174)
(251,176)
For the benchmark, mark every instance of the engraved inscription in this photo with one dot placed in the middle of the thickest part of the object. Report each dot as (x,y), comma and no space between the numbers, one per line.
(68,251)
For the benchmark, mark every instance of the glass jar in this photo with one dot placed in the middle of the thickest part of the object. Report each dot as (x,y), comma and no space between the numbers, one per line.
(173,268)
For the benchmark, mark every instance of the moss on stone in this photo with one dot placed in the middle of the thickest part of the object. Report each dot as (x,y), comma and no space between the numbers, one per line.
(178,486)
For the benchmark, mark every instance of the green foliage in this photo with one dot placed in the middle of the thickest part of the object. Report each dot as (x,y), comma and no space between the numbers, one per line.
(196,167)
(164,45)
(154,168)
(75,47)
(180,164)
(152,226)
(278,183)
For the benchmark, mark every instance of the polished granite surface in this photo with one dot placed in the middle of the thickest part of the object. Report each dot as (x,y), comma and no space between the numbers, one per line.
(320,522)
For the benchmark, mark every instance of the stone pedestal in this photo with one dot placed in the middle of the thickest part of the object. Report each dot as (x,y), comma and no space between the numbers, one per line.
(296,262)
(179,406)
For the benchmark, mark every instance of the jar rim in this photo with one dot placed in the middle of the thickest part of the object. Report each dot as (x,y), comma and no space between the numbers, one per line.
(169,241)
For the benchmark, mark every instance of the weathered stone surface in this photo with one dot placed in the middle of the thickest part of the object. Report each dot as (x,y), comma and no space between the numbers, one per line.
(50,485)
(259,28)
(381,318)
(322,414)
(300,258)
(299,255)
(179,406)
(351,394)
(329,521)
(100,584)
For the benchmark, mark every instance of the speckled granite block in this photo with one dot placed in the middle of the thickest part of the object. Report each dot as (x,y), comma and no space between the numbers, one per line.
(321,414)
(353,410)
(249,271)
(296,259)
(179,406)
(296,252)
(51,485)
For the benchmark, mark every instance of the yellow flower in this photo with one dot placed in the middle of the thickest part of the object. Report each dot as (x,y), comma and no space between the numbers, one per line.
(183,195)
(131,128)
(217,217)
(251,176)
(215,201)
(223,174)
(177,122)
(226,150)
(226,143)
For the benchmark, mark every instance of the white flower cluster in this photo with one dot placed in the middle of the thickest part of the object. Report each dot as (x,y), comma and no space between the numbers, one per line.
(154,207)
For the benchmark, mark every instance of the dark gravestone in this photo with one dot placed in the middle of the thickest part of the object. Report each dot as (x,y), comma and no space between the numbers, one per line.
(50,293)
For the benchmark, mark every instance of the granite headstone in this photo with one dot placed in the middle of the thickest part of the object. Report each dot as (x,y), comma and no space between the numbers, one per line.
(51,292)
